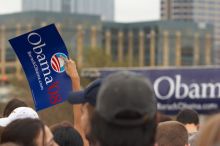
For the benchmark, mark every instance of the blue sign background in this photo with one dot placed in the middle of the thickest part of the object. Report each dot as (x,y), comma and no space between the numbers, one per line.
(44,95)
(189,75)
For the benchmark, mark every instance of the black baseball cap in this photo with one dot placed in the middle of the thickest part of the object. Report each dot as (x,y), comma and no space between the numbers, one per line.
(89,94)
(126,98)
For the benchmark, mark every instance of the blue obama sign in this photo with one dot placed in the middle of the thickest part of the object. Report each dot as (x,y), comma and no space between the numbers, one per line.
(177,88)
(194,88)
(41,54)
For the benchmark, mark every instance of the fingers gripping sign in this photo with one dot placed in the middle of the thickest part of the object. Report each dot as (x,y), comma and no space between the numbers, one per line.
(71,71)
(70,67)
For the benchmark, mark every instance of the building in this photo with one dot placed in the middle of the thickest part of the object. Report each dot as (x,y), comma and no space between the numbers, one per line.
(74,28)
(201,11)
(155,43)
(104,8)
(160,43)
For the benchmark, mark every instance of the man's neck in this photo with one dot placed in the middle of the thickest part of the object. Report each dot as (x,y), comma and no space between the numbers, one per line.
(191,128)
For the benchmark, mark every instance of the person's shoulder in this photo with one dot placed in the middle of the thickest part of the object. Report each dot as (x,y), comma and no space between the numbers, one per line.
(193,138)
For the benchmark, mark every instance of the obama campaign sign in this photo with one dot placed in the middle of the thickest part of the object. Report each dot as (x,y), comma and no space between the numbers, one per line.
(41,53)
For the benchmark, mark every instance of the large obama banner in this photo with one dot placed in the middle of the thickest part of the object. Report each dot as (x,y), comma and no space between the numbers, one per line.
(41,53)
(195,88)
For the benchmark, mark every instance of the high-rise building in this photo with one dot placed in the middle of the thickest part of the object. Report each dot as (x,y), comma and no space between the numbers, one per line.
(200,11)
(104,8)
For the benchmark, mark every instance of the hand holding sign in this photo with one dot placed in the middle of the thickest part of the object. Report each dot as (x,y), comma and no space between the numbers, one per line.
(70,67)
(71,71)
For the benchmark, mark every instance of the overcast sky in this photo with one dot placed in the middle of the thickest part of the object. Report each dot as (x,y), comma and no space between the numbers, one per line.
(126,10)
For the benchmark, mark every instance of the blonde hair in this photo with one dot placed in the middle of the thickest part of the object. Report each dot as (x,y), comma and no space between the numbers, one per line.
(210,132)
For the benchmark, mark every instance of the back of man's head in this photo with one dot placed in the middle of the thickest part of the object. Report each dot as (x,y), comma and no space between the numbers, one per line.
(171,133)
(188,116)
(66,135)
(125,113)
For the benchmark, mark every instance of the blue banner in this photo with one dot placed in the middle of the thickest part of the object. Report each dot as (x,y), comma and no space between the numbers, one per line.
(177,88)
(41,54)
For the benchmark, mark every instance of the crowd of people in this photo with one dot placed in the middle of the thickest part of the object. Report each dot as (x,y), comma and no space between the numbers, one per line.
(119,110)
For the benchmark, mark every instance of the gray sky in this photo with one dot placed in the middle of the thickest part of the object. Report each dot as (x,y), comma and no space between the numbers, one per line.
(137,10)
(126,10)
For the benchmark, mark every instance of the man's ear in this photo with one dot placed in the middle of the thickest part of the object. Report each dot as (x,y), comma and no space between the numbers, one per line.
(155,144)
(197,126)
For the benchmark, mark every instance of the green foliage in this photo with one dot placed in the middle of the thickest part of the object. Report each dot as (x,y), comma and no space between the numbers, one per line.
(96,58)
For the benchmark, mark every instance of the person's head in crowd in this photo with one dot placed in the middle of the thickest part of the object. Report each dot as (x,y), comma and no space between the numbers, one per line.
(87,98)
(162,117)
(13,104)
(10,144)
(65,135)
(19,113)
(125,113)
(190,119)
(28,132)
(171,133)
(209,134)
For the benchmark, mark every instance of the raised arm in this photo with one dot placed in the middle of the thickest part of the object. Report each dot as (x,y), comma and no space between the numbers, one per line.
(70,67)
